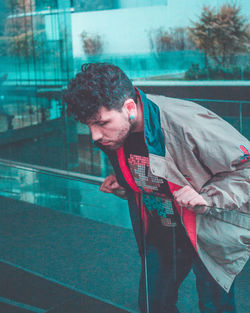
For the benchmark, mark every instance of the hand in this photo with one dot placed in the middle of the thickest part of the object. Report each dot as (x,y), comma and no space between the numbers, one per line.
(190,199)
(110,185)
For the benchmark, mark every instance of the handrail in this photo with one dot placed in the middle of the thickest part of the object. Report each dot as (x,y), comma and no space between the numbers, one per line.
(194,83)
(53,171)
(217,100)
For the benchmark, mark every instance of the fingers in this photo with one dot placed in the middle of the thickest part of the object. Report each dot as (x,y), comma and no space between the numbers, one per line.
(200,209)
(120,193)
(110,184)
(189,198)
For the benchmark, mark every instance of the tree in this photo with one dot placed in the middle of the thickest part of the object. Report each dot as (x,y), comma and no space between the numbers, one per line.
(92,44)
(27,44)
(24,35)
(20,6)
(174,39)
(220,34)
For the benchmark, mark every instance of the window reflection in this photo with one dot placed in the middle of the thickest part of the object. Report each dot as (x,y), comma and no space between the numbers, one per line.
(44,43)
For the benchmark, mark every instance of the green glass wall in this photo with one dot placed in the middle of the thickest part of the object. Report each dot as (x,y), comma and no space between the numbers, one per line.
(56,224)
(36,42)
(44,43)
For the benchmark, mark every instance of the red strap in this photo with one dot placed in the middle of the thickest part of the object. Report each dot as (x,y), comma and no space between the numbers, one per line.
(130,180)
(188,217)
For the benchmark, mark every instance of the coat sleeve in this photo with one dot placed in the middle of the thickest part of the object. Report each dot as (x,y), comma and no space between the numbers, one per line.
(225,152)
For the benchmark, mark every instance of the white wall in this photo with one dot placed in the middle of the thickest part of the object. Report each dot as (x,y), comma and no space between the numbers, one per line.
(123,31)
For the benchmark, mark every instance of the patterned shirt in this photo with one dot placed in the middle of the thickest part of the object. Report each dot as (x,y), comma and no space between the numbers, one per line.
(156,194)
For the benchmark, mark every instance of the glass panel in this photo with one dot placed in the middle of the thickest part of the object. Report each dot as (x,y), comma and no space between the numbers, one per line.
(147,39)
(245,118)
(63,237)
(229,110)
(42,45)
(154,39)
(236,113)
(36,42)
(59,192)
(36,56)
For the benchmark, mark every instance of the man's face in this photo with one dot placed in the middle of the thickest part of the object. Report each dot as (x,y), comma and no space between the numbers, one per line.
(110,128)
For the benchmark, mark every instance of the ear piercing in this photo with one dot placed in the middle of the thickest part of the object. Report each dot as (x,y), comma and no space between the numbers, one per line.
(131,116)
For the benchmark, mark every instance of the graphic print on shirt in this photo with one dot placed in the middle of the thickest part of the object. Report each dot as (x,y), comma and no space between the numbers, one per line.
(246,155)
(154,197)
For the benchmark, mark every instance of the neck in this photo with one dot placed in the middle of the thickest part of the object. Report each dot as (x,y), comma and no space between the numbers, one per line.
(139,123)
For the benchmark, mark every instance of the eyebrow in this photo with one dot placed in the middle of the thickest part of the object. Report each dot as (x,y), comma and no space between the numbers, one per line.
(100,121)
(104,120)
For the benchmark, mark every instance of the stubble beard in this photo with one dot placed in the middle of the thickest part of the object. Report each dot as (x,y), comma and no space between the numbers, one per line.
(122,136)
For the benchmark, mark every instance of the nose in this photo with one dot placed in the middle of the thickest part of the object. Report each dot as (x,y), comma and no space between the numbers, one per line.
(96,134)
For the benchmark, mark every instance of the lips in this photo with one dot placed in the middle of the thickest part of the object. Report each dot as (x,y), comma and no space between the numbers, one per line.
(105,143)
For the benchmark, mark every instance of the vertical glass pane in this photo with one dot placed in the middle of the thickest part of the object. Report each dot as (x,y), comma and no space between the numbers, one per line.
(65,240)
(43,43)
(36,60)
(245,119)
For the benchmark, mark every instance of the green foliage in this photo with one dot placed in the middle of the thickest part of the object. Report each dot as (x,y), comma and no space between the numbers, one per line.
(217,73)
(221,33)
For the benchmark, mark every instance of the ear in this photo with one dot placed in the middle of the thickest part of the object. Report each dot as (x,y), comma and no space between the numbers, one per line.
(130,106)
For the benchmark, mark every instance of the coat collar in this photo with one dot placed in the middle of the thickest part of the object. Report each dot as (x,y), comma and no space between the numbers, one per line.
(152,125)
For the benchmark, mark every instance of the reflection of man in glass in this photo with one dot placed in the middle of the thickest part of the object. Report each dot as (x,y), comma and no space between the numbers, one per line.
(185,174)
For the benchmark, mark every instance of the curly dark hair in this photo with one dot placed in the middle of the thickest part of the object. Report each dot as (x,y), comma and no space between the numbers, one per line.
(99,84)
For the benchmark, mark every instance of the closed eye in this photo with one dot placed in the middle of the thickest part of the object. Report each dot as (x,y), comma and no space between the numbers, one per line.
(102,123)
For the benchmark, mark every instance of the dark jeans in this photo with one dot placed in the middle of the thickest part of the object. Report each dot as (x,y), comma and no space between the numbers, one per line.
(170,257)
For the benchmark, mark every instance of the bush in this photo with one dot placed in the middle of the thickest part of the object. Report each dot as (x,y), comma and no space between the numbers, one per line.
(174,39)
(91,45)
(217,73)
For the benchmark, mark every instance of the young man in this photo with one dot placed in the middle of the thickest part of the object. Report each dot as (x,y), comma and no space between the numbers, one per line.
(185,174)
